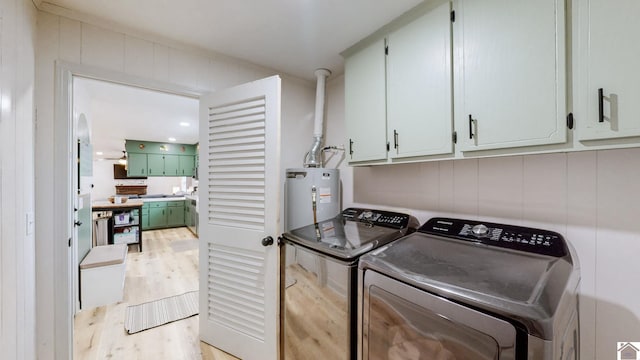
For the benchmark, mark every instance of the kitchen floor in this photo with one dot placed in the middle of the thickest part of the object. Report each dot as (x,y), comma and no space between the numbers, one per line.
(167,266)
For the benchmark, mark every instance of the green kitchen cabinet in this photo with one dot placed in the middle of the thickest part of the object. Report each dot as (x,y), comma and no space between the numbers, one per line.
(160,159)
(187,165)
(136,164)
(172,165)
(155,164)
(145,216)
(163,214)
(175,213)
(157,217)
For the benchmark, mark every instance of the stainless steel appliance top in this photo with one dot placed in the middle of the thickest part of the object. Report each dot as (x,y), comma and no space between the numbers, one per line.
(517,272)
(353,232)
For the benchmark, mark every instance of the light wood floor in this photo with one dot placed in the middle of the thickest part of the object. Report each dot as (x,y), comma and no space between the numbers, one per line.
(315,319)
(167,266)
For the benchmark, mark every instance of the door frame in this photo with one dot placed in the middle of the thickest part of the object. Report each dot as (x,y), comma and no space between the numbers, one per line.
(63,162)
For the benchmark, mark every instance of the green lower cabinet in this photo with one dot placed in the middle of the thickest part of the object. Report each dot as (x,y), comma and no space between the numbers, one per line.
(175,216)
(163,214)
(157,217)
(145,216)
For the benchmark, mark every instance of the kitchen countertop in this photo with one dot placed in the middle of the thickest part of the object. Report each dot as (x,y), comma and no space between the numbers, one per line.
(104,204)
(169,198)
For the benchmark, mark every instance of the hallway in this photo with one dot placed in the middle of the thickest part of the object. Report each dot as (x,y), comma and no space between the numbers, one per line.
(168,266)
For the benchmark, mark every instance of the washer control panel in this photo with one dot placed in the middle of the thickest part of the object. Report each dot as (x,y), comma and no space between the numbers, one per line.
(519,238)
(380,218)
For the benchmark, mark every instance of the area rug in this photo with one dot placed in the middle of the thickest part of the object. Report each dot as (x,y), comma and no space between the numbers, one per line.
(159,312)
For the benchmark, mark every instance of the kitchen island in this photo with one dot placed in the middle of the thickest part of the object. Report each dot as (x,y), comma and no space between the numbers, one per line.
(125,226)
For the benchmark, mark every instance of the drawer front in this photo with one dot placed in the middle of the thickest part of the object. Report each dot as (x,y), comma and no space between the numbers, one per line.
(175,203)
(157,204)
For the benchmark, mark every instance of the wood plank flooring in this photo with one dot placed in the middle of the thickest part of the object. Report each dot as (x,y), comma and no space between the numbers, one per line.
(167,266)
(315,319)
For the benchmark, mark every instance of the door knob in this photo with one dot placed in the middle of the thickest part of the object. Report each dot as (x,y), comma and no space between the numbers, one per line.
(267,241)
(77,223)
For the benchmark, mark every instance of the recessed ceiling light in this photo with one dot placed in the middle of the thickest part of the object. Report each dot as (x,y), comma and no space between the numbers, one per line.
(185,124)
(172,139)
(99,153)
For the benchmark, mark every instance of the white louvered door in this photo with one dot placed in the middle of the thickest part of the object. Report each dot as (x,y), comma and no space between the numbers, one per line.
(238,207)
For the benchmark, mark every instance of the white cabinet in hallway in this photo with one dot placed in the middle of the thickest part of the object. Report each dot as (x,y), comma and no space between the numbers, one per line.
(609,52)
(509,66)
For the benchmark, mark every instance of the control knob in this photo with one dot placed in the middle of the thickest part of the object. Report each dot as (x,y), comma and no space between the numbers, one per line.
(480,230)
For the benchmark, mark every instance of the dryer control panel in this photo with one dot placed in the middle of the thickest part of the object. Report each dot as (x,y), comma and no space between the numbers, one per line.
(381,218)
(520,238)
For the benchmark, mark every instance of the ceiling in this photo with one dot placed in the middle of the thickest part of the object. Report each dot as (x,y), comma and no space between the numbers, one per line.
(117,112)
(291,36)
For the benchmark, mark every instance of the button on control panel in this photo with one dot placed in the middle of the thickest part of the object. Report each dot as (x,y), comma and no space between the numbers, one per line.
(532,240)
(380,218)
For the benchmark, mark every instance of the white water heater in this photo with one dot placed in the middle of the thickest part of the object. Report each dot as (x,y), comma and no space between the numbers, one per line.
(309,193)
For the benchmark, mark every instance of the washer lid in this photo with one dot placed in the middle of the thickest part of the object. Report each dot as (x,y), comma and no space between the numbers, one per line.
(349,235)
(519,285)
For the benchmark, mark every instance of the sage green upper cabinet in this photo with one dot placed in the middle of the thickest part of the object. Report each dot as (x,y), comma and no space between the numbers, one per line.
(609,53)
(419,86)
(365,103)
(187,165)
(160,159)
(509,66)
(155,164)
(136,164)
(172,165)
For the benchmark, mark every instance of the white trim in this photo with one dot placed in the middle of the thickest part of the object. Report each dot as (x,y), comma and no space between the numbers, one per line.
(63,185)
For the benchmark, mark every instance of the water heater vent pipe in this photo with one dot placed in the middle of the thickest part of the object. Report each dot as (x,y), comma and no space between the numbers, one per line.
(314,157)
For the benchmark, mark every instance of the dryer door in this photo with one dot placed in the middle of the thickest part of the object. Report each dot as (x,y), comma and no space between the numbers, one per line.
(402,322)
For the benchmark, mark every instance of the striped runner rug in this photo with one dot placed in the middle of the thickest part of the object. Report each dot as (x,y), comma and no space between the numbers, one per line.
(159,312)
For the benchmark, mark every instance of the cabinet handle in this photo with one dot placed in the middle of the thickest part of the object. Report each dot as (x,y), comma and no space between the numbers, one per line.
(470,127)
(601,105)
(395,139)
(350,147)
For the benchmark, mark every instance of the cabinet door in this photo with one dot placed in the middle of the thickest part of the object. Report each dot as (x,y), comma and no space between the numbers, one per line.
(136,164)
(365,108)
(419,86)
(171,165)
(187,165)
(510,73)
(187,216)
(175,216)
(155,164)
(145,219)
(610,50)
(157,217)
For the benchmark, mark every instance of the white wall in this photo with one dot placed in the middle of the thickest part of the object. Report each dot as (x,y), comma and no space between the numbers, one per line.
(17,261)
(590,197)
(63,38)
(104,185)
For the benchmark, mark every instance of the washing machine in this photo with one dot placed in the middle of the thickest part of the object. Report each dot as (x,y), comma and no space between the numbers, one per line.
(463,289)
(319,311)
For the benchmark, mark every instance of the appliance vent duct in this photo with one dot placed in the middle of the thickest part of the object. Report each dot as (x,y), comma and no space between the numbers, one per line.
(314,157)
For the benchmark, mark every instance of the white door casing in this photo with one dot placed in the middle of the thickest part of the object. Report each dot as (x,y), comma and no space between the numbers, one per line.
(239,207)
